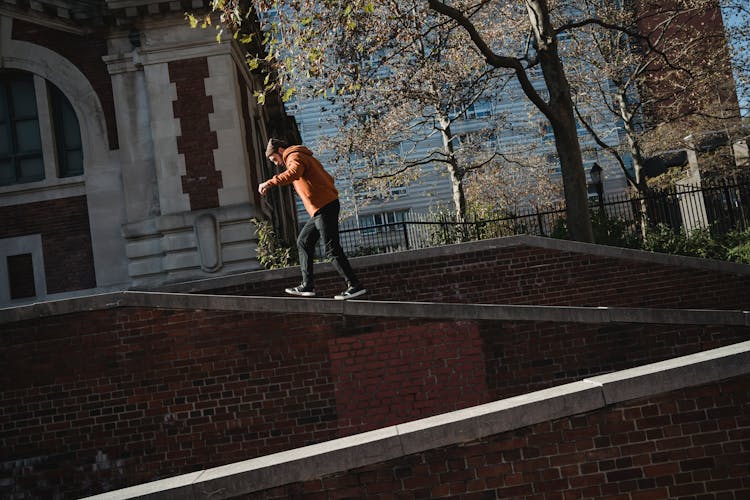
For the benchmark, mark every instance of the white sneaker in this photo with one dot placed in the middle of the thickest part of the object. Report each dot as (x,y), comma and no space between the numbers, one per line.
(351,292)
(301,291)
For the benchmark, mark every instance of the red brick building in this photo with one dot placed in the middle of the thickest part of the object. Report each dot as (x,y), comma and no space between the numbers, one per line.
(689,81)
(130,148)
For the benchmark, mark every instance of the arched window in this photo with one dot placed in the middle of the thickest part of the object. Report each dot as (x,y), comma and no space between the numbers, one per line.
(39,131)
(67,135)
(20,142)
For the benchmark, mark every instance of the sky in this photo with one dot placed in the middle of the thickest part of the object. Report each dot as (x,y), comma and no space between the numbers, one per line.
(732,22)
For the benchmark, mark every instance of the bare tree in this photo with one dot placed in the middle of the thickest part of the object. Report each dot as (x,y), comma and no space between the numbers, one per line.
(664,74)
(519,37)
(557,107)
(410,87)
(333,29)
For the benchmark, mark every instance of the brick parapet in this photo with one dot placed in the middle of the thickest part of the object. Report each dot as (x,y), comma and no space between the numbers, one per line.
(156,384)
(146,390)
(667,429)
(520,270)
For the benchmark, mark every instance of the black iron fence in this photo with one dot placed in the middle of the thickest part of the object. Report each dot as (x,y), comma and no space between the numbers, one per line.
(719,207)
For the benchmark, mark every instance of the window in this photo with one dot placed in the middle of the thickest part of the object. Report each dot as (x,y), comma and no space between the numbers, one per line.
(376,223)
(68,135)
(22,268)
(553,163)
(292,107)
(479,109)
(40,136)
(20,141)
(21,276)
(545,128)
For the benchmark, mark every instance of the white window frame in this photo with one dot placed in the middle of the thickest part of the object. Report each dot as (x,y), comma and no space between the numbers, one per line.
(19,245)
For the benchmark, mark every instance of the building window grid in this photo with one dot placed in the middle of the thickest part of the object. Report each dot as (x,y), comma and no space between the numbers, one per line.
(375,222)
(21,158)
(67,134)
(28,121)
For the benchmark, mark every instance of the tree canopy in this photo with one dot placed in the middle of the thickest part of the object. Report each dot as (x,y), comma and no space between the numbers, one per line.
(404,62)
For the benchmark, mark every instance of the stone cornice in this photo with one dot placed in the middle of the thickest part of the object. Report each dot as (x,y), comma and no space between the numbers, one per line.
(73,15)
(380,309)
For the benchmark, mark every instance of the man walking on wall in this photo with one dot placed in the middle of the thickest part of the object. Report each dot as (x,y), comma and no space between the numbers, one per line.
(316,188)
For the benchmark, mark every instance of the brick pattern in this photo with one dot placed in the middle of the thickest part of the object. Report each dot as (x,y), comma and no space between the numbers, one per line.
(197,143)
(687,444)
(153,394)
(85,52)
(66,239)
(141,394)
(535,276)
(536,356)
(663,82)
(390,377)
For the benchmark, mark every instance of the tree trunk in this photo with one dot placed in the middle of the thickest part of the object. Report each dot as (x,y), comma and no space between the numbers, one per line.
(638,162)
(562,119)
(457,174)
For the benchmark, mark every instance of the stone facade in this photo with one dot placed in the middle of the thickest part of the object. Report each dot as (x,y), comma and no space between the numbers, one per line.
(171,139)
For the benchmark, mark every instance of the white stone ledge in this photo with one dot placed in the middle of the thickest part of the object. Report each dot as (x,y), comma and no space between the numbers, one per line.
(44,190)
(447,429)
(365,308)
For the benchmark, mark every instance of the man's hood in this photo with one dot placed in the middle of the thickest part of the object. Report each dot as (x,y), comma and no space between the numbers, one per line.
(296,149)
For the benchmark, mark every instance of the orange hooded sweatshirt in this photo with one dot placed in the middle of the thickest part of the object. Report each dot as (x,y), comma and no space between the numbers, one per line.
(313,184)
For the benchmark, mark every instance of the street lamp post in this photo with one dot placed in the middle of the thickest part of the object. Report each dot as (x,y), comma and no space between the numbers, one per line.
(596,179)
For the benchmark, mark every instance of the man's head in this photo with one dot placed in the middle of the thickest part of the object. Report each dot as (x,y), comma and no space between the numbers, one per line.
(275,151)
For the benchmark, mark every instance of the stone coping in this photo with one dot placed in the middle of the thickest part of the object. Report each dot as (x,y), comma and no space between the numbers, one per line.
(447,429)
(385,309)
(731,268)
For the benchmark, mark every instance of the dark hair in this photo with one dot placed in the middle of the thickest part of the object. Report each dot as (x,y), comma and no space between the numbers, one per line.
(274,145)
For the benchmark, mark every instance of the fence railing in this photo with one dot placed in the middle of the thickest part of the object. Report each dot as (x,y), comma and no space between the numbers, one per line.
(718,207)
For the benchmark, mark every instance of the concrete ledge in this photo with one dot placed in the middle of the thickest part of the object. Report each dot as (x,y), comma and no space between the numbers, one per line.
(61,306)
(447,429)
(731,268)
(474,423)
(665,376)
(363,308)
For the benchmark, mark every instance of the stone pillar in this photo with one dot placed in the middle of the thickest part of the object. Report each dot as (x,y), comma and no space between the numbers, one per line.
(184,156)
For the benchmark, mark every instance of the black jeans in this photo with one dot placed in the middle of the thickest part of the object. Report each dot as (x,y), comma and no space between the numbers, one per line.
(324,224)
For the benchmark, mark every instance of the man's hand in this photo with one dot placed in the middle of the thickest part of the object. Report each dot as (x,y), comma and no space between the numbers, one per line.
(263,188)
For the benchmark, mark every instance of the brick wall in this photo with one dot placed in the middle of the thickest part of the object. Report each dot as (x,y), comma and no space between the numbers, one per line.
(691,443)
(141,394)
(85,52)
(403,374)
(66,239)
(528,274)
(197,141)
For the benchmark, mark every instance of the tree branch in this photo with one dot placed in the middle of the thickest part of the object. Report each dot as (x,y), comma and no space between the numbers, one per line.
(491,57)
(604,145)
